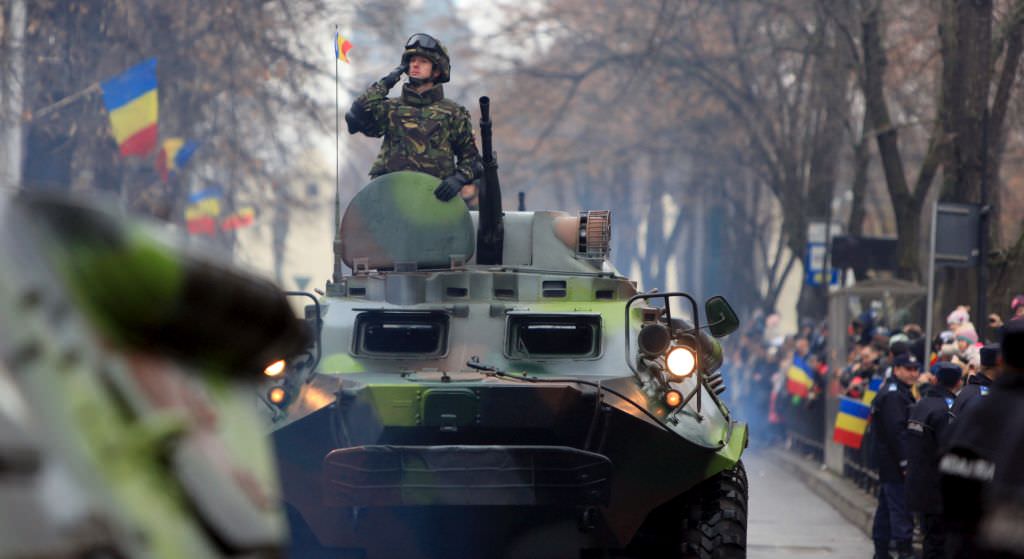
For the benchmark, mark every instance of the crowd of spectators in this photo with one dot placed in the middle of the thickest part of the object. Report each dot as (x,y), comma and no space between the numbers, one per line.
(756,373)
(929,400)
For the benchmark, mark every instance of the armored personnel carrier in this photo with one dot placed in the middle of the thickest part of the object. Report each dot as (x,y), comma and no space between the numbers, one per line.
(486,384)
(127,367)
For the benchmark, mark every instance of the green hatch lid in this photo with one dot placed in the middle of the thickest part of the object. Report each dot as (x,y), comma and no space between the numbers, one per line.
(396,219)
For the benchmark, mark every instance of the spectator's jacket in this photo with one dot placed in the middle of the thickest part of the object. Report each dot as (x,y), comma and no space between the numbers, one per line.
(927,429)
(889,413)
(977,387)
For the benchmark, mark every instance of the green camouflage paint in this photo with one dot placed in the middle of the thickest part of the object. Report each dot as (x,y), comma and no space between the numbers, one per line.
(422,132)
(360,409)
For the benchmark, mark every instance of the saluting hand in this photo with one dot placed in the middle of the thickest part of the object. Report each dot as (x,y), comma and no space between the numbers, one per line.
(391,79)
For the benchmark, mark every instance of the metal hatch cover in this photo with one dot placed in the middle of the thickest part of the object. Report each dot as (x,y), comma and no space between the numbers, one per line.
(397,219)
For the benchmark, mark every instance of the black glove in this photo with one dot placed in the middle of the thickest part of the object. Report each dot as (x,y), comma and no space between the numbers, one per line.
(357,117)
(450,187)
(391,79)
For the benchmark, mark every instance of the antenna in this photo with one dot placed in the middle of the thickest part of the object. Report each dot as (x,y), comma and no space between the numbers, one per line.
(337,275)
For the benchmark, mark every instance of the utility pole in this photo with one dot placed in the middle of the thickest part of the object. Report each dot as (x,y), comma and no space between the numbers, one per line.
(13,102)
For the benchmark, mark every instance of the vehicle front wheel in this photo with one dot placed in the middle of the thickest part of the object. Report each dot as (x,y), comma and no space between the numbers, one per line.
(707,522)
(715,521)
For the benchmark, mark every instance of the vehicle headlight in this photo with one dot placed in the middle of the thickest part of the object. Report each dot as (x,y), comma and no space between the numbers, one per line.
(681,362)
(278,396)
(275,369)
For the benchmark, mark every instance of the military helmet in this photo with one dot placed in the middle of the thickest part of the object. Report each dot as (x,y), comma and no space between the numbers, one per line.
(429,47)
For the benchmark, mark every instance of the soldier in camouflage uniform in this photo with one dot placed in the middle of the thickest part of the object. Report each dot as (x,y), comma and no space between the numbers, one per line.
(422,130)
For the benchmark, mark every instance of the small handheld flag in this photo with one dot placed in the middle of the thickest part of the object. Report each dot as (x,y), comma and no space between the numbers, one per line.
(341,47)
(131,100)
(798,381)
(851,422)
(202,210)
(874,385)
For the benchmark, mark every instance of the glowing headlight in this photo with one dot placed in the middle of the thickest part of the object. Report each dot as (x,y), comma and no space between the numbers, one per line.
(673,398)
(681,362)
(277,396)
(274,369)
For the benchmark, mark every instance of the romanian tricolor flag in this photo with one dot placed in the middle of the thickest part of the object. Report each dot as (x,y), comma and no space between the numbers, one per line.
(874,385)
(241,218)
(202,211)
(798,381)
(851,422)
(341,47)
(173,155)
(132,103)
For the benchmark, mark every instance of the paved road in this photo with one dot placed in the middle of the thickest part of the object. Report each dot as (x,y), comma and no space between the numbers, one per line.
(787,520)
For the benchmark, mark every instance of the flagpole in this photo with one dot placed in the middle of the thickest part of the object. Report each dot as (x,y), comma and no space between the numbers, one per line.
(60,104)
(336,278)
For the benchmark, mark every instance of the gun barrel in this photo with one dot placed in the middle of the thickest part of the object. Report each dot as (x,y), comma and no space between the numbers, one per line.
(490,236)
(485,130)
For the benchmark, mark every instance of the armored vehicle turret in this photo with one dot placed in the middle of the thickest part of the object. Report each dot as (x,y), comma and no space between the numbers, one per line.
(488,385)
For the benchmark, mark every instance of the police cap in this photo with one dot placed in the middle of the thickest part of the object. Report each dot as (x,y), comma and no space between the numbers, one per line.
(906,360)
(947,374)
(989,355)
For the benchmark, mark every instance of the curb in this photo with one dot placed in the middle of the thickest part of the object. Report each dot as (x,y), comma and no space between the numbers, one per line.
(850,501)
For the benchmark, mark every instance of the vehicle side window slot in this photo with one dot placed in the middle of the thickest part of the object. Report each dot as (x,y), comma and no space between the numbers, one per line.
(396,334)
(553,336)
(553,288)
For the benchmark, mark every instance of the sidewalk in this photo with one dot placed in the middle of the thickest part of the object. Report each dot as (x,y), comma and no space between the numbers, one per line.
(788,520)
(856,506)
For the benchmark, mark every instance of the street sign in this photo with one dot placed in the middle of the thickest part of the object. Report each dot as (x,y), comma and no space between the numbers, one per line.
(814,265)
(956,235)
(954,244)
(815,260)
(302,281)
(865,253)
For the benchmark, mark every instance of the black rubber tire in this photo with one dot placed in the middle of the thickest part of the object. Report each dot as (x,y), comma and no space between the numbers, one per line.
(715,520)
(707,522)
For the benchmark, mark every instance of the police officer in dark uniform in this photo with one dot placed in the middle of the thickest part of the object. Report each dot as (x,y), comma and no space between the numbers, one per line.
(981,472)
(979,383)
(927,429)
(894,526)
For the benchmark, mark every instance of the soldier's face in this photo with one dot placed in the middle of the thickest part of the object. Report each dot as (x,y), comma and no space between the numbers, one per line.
(420,67)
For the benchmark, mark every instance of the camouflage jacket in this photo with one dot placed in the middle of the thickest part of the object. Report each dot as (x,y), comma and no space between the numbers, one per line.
(422,132)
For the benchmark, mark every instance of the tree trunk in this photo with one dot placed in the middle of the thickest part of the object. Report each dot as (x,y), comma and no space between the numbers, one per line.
(968,55)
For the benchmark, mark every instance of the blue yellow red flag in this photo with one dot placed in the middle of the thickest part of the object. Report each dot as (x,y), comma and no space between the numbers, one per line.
(131,101)
(174,153)
(851,422)
(798,381)
(202,210)
(341,47)
(874,385)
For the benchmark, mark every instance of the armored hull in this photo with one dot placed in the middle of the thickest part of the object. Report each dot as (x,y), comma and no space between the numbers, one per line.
(467,410)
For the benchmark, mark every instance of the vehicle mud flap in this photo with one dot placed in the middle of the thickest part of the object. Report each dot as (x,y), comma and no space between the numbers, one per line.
(389,476)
